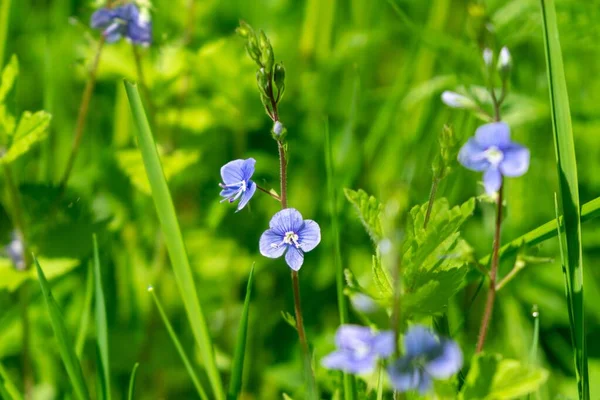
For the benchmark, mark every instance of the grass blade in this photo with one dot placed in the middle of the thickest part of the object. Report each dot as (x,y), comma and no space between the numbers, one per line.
(235,386)
(132,381)
(348,379)
(65,347)
(173,238)
(178,346)
(84,321)
(7,387)
(569,190)
(101,325)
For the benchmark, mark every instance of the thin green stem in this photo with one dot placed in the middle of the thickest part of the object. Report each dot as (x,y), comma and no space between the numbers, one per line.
(489,306)
(434,187)
(519,265)
(273,195)
(82,116)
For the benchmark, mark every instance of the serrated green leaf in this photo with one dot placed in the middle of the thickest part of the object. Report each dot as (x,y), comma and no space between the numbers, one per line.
(32,128)
(12,278)
(381,278)
(9,76)
(369,210)
(131,163)
(494,378)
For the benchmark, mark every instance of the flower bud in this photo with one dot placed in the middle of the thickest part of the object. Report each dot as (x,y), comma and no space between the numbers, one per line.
(262,80)
(267,57)
(455,100)
(504,62)
(244,30)
(488,57)
(278,128)
(252,47)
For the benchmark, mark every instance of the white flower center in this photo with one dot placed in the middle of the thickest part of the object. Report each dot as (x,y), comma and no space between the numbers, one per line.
(361,350)
(494,155)
(291,238)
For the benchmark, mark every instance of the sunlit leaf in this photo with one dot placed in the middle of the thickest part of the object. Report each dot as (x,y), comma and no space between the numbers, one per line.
(32,128)
(369,210)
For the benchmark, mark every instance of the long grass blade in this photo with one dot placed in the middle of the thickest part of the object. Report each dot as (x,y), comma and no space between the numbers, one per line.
(65,346)
(101,324)
(84,321)
(132,380)
(569,190)
(8,386)
(173,238)
(178,346)
(235,386)
(348,379)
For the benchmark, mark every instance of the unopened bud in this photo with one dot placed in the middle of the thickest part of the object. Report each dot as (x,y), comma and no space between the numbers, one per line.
(277,128)
(504,62)
(267,58)
(455,100)
(262,80)
(244,30)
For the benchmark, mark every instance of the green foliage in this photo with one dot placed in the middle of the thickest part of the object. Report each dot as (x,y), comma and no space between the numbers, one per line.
(369,211)
(132,380)
(493,378)
(13,279)
(101,327)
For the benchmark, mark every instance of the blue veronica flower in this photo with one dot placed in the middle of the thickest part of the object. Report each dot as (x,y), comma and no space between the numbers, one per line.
(16,252)
(236,181)
(290,234)
(358,349)
(425,358)
(125,21)
(492,151)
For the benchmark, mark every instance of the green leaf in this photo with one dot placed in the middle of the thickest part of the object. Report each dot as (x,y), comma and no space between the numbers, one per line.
(9,76)
(569,190)
(65,346)
(84,320)
(32,128)
(130,161)
(12,278)
(173,238)
(494,378)
(381,279)
(10,390)
(369,210)
(235,386)
(132,380)
(101,325)
(178,346)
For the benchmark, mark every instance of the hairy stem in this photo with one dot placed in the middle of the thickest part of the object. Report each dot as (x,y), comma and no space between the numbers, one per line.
(489,305)
(82,115)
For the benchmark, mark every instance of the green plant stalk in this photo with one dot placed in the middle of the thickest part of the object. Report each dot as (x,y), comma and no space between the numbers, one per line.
(235,386)
(82,116)
(173,239)
(569,190)
(132,379)
(85,313)
(178,346)
(11,390)
(4,20)
(489,305)
(348,379)
(101,324)
(65,346)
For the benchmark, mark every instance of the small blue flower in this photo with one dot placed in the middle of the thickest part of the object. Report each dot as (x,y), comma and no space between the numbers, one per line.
(358,349)
(492,151)
(16,252)
(236,181)
(122,21)
(425,358)
(290,234)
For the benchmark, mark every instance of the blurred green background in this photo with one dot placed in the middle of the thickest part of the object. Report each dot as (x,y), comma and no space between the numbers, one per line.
(375,71)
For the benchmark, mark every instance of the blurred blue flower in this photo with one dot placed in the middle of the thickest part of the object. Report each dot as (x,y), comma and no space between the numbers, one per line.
(425,358)
(125,21)
(236,181)
(492,151)
(16,251)
(358,348)
(290,234)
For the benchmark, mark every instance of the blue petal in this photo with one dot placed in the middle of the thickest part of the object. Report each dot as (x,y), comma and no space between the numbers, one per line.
(288,220)
(447,363)
(232,172)
(472,156)
(341,360)
(309,235)
(247,195)
(228,192)
(352,336)
(101,18)
(383,344)
(294,258)
(270,244)
(113,32)
(425,383)
(129,12)
(516,161)
(493,134)
(492,180)
(248,168)
(419,341)
(403,376)
(140,33)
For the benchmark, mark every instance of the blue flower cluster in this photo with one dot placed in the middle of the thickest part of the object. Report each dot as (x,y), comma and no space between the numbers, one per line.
(426,357)
(124,21)
(289,233)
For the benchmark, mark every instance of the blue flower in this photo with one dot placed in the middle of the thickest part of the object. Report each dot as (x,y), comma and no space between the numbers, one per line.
(290,234)
(425,358)
(236,181)
(358,348)
(122,21)
(492,151)
(16,252)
